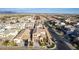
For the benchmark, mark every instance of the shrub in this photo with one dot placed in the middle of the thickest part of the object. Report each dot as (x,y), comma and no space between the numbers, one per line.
(5,42)
(9,43)
(51,46)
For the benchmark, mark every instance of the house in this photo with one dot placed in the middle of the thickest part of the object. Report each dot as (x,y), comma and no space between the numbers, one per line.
(71,20)
(39,35)
(23,37)
(62,24)
(70,29)
(77,23)
(40,26)
(57,22)
(29,25)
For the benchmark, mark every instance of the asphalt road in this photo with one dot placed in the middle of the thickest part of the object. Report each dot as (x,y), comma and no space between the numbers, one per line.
(58,40)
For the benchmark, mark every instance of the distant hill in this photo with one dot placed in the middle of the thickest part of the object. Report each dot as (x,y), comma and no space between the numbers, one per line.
(7,12)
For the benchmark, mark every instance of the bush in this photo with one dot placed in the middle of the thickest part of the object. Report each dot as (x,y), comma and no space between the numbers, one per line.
(51,46)
(9,43)
(12,43)
(5,42)
(31,43)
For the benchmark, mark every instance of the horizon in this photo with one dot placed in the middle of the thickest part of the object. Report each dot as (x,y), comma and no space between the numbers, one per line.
(41,10)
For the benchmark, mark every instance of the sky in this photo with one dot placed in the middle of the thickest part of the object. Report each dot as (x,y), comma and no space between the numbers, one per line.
(42,10)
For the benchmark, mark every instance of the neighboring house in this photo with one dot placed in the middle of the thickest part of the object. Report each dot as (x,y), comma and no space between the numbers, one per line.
(57,22)
(62,24)
(70,29)
(72,20)
(77,23)
(38,35)
(29,25)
